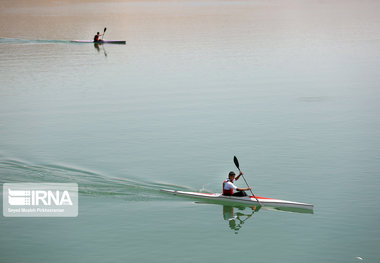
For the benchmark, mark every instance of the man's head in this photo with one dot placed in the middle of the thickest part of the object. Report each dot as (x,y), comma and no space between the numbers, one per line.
(98,33)
(231,175)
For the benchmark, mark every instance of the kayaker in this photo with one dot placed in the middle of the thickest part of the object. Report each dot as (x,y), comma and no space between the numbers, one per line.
(229,187)
(96,37)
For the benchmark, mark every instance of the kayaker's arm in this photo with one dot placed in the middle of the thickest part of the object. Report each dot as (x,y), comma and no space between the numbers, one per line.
(237,177)
(244,189)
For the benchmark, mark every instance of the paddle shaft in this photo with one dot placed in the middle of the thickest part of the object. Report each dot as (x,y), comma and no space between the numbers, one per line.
(250,189)
(237,165)
(104,32)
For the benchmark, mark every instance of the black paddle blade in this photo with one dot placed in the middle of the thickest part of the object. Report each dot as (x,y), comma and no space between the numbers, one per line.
(236,162)
(105,29)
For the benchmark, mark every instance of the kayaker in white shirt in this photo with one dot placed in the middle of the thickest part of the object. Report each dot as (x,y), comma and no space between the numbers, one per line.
(229,187)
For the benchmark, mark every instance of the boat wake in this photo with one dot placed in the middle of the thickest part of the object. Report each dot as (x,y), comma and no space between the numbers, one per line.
(21,41)
(90,183)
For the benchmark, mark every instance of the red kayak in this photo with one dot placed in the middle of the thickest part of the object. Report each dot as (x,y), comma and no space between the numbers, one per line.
(265,202)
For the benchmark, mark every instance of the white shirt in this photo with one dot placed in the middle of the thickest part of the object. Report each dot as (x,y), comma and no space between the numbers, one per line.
(228,185)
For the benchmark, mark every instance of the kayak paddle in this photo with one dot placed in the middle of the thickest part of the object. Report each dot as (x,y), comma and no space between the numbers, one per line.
(237,165)
(104,32)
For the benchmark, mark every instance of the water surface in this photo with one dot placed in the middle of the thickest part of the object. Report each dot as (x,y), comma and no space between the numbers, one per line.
(290,87)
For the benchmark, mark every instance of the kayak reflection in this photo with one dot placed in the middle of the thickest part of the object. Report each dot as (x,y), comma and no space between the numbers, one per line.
(99,46)
(237,219)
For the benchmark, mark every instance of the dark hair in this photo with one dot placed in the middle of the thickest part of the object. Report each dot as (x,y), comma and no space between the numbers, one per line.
(231,174)
(98,33)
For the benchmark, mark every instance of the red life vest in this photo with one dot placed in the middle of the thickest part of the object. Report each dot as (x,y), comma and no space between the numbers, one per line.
(227,192)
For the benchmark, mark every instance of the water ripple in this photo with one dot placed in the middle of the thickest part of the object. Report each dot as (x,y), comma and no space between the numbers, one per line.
(90,182)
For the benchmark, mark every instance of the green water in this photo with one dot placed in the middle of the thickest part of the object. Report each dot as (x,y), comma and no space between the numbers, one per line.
(290,87)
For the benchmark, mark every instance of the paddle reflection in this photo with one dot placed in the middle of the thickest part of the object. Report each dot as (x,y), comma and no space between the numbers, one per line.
(236,216)
(99,47)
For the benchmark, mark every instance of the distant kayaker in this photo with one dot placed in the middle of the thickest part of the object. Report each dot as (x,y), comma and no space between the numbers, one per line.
(96,37)
(229,187)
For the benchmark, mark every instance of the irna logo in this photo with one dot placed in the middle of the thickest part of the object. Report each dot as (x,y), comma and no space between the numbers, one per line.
(40,200)
(38,197)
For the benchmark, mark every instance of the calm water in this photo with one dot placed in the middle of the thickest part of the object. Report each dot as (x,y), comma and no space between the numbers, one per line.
(290,87)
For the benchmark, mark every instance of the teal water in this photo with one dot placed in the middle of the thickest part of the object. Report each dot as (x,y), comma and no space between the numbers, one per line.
(290,87)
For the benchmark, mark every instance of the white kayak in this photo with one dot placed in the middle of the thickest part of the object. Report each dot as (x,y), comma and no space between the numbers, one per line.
(247,201)
(120,42)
